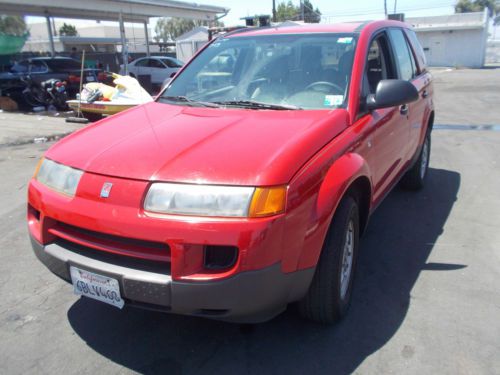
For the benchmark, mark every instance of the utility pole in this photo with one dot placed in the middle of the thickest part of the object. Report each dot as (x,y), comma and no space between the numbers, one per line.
(274,10)
(385,8)
(395,6)
(302,15)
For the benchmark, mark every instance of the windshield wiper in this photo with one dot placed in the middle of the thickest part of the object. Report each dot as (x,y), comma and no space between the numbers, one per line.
(185,99)
(257,105)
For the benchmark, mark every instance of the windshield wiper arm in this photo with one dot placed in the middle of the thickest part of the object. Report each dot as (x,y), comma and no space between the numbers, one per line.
(257,105)
(185,99)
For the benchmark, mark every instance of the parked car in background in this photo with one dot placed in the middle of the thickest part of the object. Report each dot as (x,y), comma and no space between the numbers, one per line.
(246,185)
(41,69)
(159,68)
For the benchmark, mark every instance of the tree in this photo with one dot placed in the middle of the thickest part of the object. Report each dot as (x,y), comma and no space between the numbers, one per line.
(68,30)
(466,6)
(289,12)
(311,15)
(168,29)
(13,25)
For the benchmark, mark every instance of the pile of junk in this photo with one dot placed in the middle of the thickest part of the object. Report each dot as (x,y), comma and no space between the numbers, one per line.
(97,100)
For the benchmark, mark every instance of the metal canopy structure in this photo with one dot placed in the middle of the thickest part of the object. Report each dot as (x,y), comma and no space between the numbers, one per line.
(135,11)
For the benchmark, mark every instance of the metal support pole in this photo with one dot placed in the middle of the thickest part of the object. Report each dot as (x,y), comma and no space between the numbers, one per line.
(124,44)
(51,37)
(147,38)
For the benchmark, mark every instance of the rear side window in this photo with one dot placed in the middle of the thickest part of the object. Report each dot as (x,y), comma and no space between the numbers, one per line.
(403,55)
(63,64)
(143,62)
(417,48)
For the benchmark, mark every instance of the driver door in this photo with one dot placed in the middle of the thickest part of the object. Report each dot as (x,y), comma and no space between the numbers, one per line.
(389,138)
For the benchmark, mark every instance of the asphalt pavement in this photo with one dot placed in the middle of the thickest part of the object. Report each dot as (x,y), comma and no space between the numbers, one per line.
(426,298)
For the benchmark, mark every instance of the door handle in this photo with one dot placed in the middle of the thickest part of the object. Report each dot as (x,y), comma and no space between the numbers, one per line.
(404,109)
(425,94)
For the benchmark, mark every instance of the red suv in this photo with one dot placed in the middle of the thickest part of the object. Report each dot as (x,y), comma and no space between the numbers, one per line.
(246,185)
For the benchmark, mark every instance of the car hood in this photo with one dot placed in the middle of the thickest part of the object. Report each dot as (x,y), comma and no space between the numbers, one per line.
(162,142)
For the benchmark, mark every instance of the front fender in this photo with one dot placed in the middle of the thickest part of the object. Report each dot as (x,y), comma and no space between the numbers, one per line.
(340,176)
(321,188)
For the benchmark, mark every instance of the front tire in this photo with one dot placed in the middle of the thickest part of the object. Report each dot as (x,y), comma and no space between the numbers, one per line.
(329,295)
(414,179)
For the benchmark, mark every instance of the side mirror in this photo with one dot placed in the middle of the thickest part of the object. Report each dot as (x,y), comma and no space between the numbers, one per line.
(391,93)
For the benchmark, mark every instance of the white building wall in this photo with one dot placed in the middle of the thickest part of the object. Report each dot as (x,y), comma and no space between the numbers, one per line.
(459,48)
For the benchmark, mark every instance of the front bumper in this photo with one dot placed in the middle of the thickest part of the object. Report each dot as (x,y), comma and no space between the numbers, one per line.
(249,297)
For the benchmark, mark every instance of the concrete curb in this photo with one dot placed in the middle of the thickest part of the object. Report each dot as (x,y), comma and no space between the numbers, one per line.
(38,139)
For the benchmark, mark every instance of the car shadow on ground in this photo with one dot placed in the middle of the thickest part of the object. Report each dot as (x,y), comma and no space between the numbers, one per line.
(394,251)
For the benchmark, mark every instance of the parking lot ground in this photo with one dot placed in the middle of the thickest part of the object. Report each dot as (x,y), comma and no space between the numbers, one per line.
(18,128)
(426,297)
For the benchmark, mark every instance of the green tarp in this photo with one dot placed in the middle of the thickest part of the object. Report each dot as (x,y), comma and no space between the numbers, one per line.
(10,44)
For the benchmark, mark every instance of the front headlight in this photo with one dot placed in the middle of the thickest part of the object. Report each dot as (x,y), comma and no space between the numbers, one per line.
(216,201)
(59,177)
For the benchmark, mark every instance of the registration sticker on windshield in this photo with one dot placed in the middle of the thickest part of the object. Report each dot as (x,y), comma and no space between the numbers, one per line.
(333,100)
(345,40)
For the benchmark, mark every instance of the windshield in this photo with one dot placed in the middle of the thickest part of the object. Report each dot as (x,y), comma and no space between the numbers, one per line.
(172,63)
(294,71)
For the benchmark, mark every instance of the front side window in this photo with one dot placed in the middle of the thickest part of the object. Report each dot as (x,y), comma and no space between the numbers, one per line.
(153,63)
(404,57)
(303,71)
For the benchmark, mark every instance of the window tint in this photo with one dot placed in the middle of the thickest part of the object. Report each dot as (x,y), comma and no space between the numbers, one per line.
(417,48)
(143,62)
(402,53)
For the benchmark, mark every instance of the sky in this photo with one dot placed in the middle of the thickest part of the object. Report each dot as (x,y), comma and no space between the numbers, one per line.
(332,10)
(340,11)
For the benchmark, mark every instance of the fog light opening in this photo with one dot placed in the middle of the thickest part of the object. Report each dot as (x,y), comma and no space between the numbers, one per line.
(218,258)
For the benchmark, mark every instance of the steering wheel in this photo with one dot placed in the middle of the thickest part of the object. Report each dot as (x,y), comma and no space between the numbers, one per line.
(324,86)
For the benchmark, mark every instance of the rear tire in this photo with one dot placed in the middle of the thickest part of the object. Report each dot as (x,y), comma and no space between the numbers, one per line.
(414,179)
(329,295)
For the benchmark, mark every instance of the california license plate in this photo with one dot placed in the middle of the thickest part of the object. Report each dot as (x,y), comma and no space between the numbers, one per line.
(90,79)
(102,288)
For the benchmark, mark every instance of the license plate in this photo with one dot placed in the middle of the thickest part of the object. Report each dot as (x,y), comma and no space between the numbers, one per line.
(102,288)
(90,79)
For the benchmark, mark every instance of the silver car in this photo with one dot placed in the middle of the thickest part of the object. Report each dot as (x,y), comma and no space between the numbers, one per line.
(158,67)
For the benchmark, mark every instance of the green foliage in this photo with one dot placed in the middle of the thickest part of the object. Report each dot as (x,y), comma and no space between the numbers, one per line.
(466,6)
(286,11)
(13,25)
(168,29)
(311,15)
(68,30)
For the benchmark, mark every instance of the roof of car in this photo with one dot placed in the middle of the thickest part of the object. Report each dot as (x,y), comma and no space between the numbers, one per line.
(348,27)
